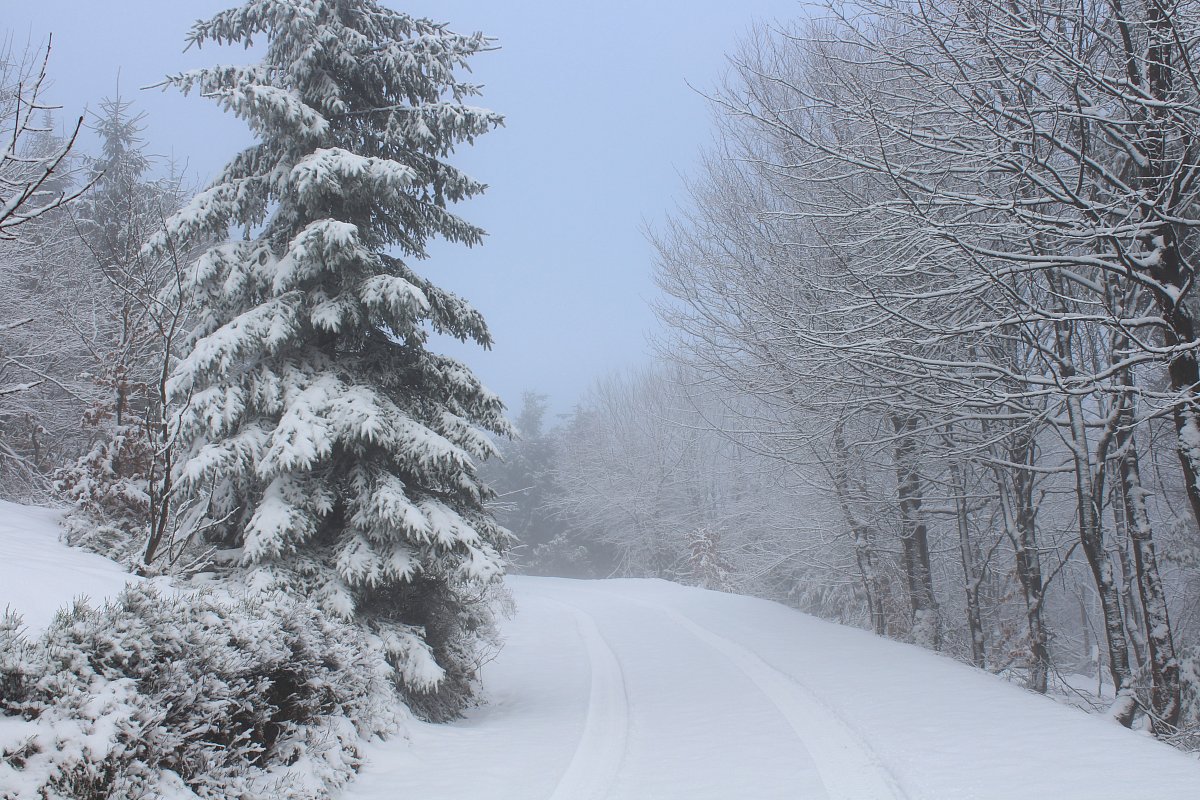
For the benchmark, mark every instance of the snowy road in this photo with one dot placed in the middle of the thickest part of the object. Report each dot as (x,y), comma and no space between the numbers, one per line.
(643,690)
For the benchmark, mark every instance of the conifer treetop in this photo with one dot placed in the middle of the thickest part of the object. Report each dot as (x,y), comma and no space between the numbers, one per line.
(366,98)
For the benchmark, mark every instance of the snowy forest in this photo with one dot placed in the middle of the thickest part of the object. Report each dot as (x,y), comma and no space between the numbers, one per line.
(926,364)
(929,364)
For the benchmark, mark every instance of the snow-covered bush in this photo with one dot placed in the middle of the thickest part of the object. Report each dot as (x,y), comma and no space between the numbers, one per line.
(1187,735)
(457,628)
(119,486)
(188,697)
(109,492)
(435,633)
(709,567)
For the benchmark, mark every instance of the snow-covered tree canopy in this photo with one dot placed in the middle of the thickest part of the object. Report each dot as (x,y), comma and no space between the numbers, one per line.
(327,437)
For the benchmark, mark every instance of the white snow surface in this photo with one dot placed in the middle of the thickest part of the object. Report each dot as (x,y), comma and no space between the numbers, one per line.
(637,689)
(649,690)
(39,574)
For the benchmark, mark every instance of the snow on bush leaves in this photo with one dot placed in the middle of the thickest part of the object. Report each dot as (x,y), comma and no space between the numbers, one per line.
(188,697)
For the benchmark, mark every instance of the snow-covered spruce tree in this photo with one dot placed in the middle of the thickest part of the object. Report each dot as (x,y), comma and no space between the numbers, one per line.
(336,452)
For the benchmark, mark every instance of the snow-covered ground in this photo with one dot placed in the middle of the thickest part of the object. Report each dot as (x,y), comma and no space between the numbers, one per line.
(648,690)
(39,575)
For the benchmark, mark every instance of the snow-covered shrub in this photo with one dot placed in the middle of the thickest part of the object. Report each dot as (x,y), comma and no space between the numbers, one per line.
(116,481)
(707,563)
(109,494)
(188,697)
(1187,736)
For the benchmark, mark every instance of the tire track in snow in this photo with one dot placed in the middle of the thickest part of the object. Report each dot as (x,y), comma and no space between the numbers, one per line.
(601,748)
(848,765)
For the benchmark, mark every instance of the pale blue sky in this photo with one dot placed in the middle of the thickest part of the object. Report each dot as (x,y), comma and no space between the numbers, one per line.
(601,125)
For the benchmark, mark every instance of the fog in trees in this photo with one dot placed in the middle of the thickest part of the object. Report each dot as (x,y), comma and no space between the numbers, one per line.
(925,362)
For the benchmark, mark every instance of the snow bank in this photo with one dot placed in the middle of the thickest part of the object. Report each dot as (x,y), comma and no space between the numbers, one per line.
(39,574)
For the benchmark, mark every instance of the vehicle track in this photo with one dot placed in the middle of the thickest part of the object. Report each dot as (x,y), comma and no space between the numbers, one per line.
(601,747)
(848,765)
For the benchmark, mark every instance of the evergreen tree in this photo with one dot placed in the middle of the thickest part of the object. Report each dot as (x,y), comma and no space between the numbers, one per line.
(338,454)
(524,479)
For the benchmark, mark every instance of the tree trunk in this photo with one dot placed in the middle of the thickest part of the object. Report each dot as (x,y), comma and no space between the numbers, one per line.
(1029,563)
(1091,531)
(972,573)
(1159,172)
(914,536)
(863,549)
(1160,643)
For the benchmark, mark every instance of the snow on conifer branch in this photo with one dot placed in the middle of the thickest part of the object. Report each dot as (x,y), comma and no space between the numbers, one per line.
(341,452)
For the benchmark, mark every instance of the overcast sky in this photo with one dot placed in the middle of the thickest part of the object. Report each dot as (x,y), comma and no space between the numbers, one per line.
(601,126)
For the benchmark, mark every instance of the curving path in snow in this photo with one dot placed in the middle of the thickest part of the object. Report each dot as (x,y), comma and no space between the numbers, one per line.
(849,767)
(643,690)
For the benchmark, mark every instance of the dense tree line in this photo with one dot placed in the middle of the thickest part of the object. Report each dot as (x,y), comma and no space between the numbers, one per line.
(932,355)
(951,246)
